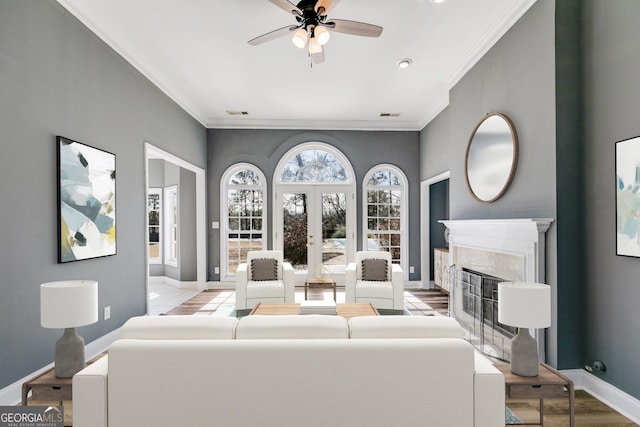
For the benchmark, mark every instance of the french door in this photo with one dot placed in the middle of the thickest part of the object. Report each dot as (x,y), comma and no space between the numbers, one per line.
(315,229)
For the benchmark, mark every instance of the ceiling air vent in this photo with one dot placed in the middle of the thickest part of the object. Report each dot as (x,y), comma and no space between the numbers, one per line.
(389,114)
(237,113)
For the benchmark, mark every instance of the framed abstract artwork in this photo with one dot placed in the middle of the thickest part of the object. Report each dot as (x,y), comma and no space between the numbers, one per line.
(628,197)
(86,201)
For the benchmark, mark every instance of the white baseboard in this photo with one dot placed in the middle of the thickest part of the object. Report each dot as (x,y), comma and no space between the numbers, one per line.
(622,402)
(221,285)
(11,395)
(173,282)
(413,284)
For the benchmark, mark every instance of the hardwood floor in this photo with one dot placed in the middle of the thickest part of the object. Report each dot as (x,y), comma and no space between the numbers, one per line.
(589,412)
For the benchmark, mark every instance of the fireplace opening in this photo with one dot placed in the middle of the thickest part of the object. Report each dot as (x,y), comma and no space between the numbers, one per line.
(475,306)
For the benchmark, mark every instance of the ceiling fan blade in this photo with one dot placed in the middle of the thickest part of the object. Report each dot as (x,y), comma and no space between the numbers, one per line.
(328,5)
(353,27)
(286,5)
(272,35)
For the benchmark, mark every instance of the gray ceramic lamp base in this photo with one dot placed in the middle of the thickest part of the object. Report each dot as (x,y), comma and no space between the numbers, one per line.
(69,354)
(524,354)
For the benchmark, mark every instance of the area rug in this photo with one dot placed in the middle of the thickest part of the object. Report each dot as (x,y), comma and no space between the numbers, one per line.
(510,417)
(384,312)
(222,303)
(229,310)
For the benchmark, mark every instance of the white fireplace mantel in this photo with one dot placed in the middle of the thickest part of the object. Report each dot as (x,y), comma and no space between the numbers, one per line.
(521,240)
(508,249)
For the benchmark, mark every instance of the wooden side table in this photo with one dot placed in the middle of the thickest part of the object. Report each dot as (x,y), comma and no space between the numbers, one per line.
(548,384)
(309,283)
(47,387)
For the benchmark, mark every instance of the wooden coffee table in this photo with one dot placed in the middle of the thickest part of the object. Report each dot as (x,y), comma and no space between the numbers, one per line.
(344,310)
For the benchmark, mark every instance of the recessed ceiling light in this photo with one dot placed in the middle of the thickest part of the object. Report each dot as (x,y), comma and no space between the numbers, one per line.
(438,1)
(404,63)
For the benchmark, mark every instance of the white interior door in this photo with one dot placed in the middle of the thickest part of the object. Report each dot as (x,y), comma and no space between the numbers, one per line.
(315,229)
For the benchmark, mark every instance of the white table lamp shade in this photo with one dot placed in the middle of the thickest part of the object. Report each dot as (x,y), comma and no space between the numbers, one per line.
(68,303)
(524,305)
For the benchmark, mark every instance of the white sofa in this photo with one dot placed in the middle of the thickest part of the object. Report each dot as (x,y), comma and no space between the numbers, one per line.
(378,377)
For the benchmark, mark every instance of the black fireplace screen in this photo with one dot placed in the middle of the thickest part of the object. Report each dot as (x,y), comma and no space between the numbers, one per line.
(480,313)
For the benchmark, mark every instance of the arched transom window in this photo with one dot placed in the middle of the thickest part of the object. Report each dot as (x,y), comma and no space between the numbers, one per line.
(385,212)
(314,166)
(243,211)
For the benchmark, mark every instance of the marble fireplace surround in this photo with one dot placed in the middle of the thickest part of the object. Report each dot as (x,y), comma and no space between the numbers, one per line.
(512,249)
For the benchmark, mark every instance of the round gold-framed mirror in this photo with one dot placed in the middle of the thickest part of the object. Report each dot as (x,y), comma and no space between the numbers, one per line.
(491,157)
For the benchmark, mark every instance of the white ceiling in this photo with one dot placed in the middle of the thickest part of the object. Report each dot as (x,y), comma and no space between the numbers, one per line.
(196,52)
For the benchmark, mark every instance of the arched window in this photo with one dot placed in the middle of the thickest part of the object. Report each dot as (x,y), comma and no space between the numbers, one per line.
(314,165)
(243,215)
(385,212)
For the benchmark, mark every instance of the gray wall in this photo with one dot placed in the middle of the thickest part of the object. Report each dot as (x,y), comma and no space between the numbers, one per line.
(611,40)
(517,78)
(572,95)
(570,297)
(187,227)
(185,180)
(435,142)
(264,148)
(58,78)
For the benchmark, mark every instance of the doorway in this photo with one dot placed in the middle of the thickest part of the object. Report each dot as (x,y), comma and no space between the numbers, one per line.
(314,229)
(427,217)
(315,212)
(197,254)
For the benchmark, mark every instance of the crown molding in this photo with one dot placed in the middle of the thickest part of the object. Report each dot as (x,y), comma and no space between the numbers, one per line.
(491,37)
(164,89)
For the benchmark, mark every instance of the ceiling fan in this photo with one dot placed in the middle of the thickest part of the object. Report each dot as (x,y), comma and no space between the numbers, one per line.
(313,28)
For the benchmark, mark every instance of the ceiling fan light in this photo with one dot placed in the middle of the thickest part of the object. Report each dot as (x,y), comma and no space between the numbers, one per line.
(314,46)
(322,35)
(300,38)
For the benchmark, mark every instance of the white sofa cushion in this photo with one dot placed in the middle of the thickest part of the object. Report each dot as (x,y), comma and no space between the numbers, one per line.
(404,327)
(265,289)
(488,383)
(89,393)
(292,327)
(179,327)
(374,289)
(311,383)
